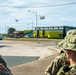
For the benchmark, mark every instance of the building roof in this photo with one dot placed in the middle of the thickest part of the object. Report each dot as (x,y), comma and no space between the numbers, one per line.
(53,27)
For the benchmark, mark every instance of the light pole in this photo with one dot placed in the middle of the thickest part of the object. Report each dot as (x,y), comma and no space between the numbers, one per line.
(36,23)
(6,29)
(32,25)
(28,26)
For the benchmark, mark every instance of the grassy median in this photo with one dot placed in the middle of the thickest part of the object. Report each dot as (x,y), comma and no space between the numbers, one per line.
(31,39)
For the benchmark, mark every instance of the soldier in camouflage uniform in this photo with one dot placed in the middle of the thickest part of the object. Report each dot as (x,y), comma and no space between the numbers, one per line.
(70,47)
(60,60)
(56,64)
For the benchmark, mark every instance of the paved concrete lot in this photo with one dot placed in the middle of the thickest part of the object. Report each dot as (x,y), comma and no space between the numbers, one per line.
(46,50)
(20,48)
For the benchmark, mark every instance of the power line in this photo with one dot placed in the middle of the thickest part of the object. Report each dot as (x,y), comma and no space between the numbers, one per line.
(38,6)
(60,5)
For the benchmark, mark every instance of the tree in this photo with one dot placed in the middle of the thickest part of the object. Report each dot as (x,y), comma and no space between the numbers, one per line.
(11,30)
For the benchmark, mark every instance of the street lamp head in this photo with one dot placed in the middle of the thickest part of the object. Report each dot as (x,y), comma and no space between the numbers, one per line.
(42,17)
(28,10)
(32,11)
(16,20)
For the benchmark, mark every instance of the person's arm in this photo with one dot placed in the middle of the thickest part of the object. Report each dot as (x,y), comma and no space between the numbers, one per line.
(53,68)
(56,64)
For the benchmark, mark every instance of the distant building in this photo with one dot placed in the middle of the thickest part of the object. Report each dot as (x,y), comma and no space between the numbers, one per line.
(52,32)
(17,34)
(29,34)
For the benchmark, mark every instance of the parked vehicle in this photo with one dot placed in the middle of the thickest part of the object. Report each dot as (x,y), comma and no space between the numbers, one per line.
(1,37)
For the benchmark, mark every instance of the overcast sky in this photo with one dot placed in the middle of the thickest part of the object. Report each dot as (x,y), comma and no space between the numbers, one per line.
(11,10)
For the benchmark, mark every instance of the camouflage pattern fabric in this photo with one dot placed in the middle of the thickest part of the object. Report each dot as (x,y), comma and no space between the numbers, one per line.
(61,60)
(69,35)
(71,70)
(4,70)
(2,61)
(69,43)
(3,73)
(71,32)
(57,63)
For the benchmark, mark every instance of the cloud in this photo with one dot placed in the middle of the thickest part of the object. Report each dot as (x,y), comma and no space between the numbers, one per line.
(18,9)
